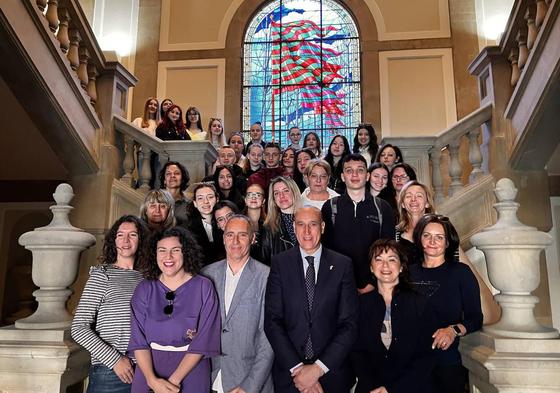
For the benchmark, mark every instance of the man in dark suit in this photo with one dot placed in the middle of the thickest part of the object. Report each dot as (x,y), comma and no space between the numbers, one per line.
(311,310)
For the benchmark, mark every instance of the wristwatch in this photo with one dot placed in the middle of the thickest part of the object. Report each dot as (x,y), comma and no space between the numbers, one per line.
(457,330)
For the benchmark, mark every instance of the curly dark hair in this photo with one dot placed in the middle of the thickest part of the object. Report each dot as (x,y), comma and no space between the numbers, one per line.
(185,177)
(109,255)
(384,245)
(192,252)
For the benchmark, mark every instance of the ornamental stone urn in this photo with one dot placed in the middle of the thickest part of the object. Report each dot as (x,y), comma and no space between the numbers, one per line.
(512,252)
(56,250)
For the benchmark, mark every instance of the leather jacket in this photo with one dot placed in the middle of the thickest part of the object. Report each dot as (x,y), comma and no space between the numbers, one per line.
(274,243)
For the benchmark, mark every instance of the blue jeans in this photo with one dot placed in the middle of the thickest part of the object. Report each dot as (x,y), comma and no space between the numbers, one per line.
(104,380)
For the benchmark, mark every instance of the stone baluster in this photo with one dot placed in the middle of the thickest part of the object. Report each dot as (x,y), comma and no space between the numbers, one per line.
(82,68)
(437,181)
(56,252)
(531,27)
(515,73)
(475,155)
(52,15)
(145,174)
(542,9)
(523,51)
(128,162)
(41,4)
(512,252)
(91,86)
(62,34)
(455,169)
(73,52)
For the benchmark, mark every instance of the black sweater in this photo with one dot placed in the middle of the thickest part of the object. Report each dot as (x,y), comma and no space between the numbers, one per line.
(356,229)
(454,294)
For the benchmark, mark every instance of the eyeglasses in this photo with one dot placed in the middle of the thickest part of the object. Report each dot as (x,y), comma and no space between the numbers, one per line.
(400,178)
(438,217)
(254,195)
(170,297)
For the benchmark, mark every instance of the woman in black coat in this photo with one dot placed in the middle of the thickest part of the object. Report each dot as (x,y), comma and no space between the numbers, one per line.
(393,352)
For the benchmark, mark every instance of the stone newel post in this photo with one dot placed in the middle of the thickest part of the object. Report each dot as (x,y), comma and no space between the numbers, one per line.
(56,251)
(512,252)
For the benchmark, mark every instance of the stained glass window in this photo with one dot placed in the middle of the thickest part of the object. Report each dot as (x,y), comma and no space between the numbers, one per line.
(301,67)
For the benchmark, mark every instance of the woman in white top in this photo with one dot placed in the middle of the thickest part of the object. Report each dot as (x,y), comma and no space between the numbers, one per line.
(365,142)
(193,122)
(149,120)
(317,174)
(215,134)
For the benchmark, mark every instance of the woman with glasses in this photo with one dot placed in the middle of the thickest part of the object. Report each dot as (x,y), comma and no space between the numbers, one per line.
(201,224)
(225,181)
(401,174)
(175,325)
(254,209)
(215,134)
(365,142)
(102,320)
(278,231)
(453,292)
(338,149)
(223,211)
(393,350)
(193,122)
(317,174)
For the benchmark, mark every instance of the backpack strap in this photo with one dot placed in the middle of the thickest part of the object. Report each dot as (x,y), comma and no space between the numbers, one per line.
(379,215)
(333,202)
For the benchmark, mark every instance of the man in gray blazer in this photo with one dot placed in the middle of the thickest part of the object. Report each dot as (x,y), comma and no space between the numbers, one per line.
(240,281)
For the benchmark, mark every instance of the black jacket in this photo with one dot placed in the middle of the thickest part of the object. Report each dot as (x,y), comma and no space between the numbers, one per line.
(356,229)
(213,251)
(274,243)
(406,366)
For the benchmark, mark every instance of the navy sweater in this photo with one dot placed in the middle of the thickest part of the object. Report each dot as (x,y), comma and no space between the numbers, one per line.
(355,229)
(454,295)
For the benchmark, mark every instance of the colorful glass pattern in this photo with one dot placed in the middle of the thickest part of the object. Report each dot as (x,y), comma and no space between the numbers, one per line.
(301,67)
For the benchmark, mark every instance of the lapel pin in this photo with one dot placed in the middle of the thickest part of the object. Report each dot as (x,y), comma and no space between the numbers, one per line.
(330,268)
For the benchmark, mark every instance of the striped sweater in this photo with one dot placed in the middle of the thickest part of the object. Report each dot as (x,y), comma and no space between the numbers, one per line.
(102,321)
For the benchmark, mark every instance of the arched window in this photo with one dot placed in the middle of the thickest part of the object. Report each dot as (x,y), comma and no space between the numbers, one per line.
(301,67)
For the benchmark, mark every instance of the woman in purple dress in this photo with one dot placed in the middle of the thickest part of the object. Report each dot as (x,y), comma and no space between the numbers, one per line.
(175,323)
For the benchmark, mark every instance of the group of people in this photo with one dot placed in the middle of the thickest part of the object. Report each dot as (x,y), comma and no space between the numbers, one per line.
(285,271)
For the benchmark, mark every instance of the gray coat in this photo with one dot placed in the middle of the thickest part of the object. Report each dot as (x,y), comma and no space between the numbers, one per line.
(247,356)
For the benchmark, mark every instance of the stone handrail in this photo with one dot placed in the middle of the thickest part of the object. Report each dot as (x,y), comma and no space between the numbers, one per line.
(66,21)
(197,156)
(417,149)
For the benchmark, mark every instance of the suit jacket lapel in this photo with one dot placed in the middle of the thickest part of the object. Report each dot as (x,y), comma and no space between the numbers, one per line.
(244,283)
(221,287)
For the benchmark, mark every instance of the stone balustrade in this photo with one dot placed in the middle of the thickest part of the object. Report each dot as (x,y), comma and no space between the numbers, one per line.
(427,153)
(66,21)
(197,156)
(526,21)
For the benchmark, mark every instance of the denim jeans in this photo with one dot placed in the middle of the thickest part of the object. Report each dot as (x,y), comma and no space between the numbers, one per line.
(104,380)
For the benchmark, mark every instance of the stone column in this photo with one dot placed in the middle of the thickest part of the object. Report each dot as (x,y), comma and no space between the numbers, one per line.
(37,354)
(516,354)
(512,252)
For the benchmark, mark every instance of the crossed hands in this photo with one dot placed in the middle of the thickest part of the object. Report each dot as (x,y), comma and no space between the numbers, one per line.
(306,378)
(160,385)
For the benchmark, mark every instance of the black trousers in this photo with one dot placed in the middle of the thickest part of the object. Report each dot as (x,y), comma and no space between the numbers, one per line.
(449,379)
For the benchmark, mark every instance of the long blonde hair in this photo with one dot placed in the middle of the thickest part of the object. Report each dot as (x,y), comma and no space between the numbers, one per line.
(406,219)
(146,115)
(221,138)
(272,220)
